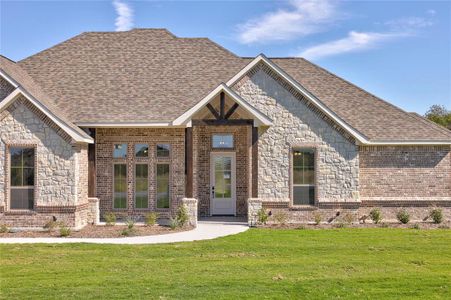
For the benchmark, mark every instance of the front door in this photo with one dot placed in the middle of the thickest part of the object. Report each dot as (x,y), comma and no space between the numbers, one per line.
(222,184)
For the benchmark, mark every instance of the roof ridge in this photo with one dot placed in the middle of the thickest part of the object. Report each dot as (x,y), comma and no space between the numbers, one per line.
(213,43)
(5,57)
(48,49)
(361,89)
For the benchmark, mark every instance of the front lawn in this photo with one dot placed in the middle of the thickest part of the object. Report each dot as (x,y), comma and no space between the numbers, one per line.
(260,263)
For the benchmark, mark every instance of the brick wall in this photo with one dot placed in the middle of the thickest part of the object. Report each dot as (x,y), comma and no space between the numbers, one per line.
(105,140)
(415,173)
(201,164)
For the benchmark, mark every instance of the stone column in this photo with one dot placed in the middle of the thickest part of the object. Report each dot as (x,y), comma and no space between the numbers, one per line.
(93,211)
(253,206)
(191,205)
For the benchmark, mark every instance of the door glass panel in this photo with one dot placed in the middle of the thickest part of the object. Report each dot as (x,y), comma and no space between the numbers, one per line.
(223,177)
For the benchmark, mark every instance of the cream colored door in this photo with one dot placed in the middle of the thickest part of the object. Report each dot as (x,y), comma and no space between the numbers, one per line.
(222,184)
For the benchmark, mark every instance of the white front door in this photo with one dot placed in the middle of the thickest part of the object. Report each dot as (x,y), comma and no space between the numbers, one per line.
(222,184)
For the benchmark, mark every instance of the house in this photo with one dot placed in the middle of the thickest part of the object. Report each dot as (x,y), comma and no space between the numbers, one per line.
(138,121)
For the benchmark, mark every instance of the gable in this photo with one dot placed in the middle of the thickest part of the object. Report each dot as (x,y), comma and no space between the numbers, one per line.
(24,87)
(260,119)
(26,121)
(437,135)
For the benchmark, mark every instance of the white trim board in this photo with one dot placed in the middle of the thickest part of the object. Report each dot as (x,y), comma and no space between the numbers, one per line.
(260,119)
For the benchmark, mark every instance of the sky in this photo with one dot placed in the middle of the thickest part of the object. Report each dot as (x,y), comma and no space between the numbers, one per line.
(397,50)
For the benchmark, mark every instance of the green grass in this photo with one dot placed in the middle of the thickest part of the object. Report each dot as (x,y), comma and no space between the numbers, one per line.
(260,263)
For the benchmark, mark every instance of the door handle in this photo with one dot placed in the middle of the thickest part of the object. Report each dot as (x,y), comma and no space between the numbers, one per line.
(212,191)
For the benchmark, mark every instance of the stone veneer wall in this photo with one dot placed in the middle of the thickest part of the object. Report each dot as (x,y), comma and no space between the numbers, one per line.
(405,173)
(60,188)
(106,138)
(202,136)
(297,124)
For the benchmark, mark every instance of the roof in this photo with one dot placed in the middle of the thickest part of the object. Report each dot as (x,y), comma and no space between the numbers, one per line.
(24,85)
(150,75)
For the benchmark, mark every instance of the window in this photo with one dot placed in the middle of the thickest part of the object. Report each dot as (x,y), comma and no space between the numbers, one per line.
(141,150)
(120,186)
(141,186)
(163,150)
(222,141)
(22,178)
(120,151)
(162,185)
(304,177)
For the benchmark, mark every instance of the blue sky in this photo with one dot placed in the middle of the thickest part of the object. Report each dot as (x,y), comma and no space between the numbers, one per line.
(397,50)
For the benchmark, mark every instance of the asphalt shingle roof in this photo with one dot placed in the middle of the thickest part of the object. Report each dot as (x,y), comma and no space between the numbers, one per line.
(150,75)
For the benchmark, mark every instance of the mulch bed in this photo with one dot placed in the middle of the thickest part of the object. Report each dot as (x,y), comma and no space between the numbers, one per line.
(93,231)
(422,225)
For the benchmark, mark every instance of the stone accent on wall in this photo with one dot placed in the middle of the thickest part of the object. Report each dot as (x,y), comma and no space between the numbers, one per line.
(405,173)
(5,88)
(105,140)
(191,205)
(202,148)
(295,125)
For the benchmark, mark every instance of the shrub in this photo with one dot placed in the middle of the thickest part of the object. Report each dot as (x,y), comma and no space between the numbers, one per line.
(403,216)
(50,225)
(182,215)
(280,217)
(64,231)
(151,218)
(437,215)
(173,223)
(110,218)
(340,225)
(127,231)
(130,223)
(262,216)
(348,218)
(376,215)
(4,228)
(317,218)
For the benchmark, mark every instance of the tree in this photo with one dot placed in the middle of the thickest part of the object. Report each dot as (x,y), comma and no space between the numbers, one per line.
(440,115)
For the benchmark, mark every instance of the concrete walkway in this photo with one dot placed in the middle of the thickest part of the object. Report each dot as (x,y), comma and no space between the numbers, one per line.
(206,230)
